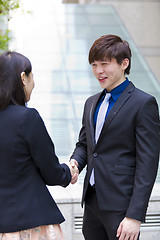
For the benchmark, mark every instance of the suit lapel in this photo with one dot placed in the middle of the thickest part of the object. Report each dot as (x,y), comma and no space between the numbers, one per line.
(91,116)
(117,106)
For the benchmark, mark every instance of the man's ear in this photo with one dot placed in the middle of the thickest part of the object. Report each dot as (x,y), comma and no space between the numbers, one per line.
(125,63)
(23,78)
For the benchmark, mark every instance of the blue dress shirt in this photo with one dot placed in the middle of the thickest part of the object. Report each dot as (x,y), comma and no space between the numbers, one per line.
(115,94)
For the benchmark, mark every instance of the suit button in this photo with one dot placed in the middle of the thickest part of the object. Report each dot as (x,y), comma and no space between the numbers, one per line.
(94,154)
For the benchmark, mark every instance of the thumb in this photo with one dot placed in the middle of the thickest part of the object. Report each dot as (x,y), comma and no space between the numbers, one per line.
(119,230)
(73,163)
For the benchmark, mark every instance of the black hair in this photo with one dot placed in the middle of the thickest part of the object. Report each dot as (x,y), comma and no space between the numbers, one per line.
(110,46)
(12,64)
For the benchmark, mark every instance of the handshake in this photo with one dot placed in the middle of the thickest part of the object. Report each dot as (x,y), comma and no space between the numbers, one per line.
(73,166)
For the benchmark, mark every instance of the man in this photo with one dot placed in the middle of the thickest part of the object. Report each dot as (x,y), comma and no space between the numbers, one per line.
(122,153)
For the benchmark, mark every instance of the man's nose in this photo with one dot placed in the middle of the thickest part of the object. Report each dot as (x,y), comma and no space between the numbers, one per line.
(99,69)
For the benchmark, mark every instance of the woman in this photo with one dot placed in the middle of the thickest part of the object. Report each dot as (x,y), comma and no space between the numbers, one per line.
(27,159)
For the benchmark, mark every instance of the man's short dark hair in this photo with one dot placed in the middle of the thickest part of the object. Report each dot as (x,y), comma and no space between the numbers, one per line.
(110,46)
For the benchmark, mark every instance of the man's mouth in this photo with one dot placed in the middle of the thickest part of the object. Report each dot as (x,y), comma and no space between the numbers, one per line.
(102,79)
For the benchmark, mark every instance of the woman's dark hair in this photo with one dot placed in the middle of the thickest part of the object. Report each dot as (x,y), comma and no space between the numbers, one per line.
(12,64)
(110,46)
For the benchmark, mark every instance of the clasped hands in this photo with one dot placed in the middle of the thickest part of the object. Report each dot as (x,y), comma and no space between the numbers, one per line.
(73,166)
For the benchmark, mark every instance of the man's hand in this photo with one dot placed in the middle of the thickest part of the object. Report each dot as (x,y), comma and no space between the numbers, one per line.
(73,165)
(128,229)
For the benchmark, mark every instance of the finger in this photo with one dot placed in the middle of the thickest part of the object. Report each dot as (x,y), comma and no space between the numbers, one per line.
(119,230)
(73,165)
(74,175)
(74,178)
(123,237)
(74,162)
(131,237)
(74,181)
(74,170)
(136,236)
(126,237)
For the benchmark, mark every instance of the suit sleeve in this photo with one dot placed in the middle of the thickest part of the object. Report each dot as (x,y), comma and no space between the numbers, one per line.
(147,158)
(42,151)
(80,151)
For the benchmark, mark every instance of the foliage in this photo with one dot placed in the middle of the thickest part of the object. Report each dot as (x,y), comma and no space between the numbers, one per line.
(4,39)
(7,8)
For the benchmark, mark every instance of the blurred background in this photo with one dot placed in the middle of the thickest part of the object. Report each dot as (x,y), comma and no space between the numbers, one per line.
(56,36)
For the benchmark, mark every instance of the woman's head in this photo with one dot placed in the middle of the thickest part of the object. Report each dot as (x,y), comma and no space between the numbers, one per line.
(110,46)
(16,80)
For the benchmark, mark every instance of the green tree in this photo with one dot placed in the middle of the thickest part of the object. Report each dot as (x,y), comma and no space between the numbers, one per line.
(7,8)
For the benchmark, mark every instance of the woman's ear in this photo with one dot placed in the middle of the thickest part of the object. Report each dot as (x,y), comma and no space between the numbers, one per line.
(23,78)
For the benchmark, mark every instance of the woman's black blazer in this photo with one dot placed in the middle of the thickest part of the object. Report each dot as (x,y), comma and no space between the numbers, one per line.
(27,164)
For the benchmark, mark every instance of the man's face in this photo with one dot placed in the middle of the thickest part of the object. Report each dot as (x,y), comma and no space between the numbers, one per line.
(109,73)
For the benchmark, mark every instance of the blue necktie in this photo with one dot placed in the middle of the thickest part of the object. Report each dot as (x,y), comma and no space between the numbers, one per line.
(99,124)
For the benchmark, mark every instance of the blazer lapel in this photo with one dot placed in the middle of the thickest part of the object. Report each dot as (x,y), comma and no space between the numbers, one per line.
(91,116)
(117,106)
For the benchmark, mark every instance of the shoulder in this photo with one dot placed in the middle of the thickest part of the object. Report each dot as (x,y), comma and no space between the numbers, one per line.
(94,97)
(145,103)
(21,113)
(140,95)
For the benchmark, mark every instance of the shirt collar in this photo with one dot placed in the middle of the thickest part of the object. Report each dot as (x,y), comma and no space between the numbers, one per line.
(116,92)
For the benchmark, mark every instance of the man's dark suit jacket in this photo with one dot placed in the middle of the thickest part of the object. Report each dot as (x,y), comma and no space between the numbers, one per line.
(125,158)
(27,163)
